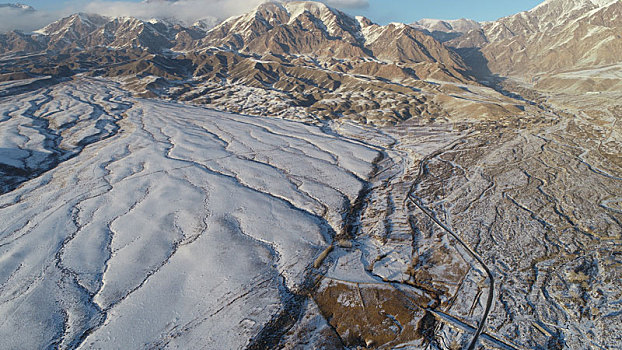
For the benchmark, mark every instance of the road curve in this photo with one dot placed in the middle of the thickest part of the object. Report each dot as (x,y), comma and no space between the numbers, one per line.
(417,202)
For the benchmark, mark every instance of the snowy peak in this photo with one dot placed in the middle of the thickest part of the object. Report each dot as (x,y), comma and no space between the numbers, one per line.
(205,24)
(558,12)
(318,9)
(292,27)
(462,25)
(309,15)
(288,30)
(89,30)
(446,30)
(570,5)
(333,21)
(552,13)
(71,31)
(315,29)
(550,16)
(78,24)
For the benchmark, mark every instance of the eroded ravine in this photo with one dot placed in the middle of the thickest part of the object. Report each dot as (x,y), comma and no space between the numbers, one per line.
(366,311)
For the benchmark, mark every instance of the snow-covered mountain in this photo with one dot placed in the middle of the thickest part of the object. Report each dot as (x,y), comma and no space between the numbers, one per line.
(307,51)
(445,30)
(16,16)
(550,16)
(88,31)
(295,28)
(554,36)
(313,28)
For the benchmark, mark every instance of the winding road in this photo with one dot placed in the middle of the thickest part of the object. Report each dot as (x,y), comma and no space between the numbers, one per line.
(419,204)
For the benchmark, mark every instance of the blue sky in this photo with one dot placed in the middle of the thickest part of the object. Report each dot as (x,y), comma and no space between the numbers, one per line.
(384,11)
(408,11)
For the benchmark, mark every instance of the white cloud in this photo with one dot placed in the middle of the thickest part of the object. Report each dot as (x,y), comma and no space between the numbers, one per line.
(352,4)
(191,10)
(24,20)
(187,11)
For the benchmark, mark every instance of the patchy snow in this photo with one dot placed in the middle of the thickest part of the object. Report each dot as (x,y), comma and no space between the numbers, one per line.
(462,25)
(594,31)
(295,9)
(372,33)
(606,72)
(603,3)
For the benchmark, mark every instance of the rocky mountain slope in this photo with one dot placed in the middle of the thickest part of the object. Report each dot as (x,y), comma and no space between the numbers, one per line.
(303,59)
(311,28)
(556,36)
(293,28)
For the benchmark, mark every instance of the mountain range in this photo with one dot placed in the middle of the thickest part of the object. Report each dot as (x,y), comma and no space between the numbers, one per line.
(308,52)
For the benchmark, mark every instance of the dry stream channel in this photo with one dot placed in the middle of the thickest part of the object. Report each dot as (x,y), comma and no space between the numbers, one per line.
(501,234)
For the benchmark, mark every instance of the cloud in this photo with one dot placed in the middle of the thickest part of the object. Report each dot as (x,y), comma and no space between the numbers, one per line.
(351,4)
(26,20)
(187,11)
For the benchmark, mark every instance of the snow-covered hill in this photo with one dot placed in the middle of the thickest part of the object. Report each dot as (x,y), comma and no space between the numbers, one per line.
(178,226)
(462,25)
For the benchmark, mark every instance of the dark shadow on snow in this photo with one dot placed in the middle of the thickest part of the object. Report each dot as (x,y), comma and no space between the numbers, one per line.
(20,165)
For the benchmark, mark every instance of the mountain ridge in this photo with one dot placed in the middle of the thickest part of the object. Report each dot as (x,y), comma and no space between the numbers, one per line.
(553,37)
(308,52)
(296,27)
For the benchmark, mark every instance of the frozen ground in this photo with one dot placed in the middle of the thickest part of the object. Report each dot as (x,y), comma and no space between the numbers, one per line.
(131,223)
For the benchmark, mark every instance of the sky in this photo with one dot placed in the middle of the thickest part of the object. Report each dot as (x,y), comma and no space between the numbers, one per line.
(408,11)
(379,11)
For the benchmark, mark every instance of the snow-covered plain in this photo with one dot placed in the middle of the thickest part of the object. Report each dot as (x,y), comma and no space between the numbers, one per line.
(129,223)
